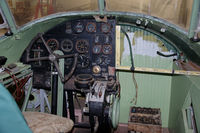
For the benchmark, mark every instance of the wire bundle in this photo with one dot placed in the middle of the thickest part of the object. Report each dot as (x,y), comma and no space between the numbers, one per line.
(19,84)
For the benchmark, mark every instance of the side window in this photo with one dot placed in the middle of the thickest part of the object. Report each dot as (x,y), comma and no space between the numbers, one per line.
(3,25)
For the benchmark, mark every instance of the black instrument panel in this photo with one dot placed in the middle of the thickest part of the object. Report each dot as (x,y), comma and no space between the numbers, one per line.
(93,41)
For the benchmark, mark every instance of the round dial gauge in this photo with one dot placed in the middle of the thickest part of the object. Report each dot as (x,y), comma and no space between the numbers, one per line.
(67,45)
(96,49)
(107,60)
(105,28)
(53,44)
(97,39)
(82,46)
(83,61)
(91,27)
(79,27)
(68,28)
(107,39)
(98,60)
(107,49)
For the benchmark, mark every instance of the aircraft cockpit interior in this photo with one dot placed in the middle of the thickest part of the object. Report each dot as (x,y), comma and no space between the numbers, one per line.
(85,48)
(99,66)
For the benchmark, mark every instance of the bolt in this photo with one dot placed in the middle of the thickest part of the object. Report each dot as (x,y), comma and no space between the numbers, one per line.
(162,30)
(138,22)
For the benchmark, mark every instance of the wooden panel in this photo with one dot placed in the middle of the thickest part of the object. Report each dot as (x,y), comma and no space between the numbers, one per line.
(144,128)
(145,120)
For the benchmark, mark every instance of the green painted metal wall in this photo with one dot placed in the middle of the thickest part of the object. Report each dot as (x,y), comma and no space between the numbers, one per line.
(13,46)
(185,90)
(154,90)
(180,88)
(159,91)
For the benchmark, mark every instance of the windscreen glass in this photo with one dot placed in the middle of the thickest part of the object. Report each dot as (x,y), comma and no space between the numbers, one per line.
(25,11)
(174,11)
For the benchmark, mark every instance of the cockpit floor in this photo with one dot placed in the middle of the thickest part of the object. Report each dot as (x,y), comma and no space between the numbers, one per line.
(122,128)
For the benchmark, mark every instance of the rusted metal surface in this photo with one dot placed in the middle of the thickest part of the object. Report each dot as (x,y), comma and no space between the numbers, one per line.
(188,66)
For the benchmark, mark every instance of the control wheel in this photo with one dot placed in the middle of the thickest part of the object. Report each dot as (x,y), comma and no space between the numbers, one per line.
(52,57)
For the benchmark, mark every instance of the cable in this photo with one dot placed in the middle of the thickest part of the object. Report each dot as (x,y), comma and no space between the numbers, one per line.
(132,67)
(130,49)
(11,75)
(136,89)
(19,92)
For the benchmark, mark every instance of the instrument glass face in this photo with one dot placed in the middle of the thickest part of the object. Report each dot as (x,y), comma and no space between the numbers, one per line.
(79,27)
(53,44)
(82,46)
(93,42)
(97,39)
(96,49)
(105,28)
(98,61)
(91,27)
(67,45)
(68,28)
(107,39)
(107,60)
(107,49)
(83,61)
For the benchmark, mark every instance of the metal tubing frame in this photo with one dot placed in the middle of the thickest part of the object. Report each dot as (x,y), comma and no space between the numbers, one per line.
(194,18)
(158,71)
(101,3)
(8,15)
(60,92)
(71,105)
(101,6)
(54,91)
(23,109)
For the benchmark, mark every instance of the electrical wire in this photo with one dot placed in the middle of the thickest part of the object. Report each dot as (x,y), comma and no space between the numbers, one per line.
(19,92)
(132,67)
(130,49)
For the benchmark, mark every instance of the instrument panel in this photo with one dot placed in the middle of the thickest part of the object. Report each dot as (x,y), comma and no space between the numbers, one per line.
(93,41)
